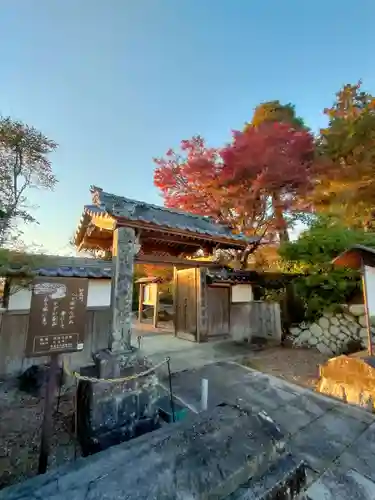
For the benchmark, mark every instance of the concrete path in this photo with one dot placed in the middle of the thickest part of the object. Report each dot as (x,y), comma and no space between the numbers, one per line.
(336,441)
(186,355)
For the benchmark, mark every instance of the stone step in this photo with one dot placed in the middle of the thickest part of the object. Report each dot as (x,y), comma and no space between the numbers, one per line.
(284,480)
(341,484)
(208,455)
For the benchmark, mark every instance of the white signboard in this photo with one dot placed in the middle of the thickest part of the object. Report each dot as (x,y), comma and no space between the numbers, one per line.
(242,293)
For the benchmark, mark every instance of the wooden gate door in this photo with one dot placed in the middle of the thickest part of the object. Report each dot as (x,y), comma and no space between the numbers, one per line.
(218,311)
(186,304)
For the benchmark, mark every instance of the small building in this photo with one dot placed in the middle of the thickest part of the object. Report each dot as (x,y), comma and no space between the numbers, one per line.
(138,232)
(216,302)
(149,296)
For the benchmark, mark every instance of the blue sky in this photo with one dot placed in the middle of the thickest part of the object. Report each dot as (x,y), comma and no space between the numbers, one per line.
(118,82)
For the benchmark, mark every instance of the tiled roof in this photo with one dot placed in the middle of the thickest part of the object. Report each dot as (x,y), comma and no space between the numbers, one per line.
(119,206)
(92,270)
(150,279)
(263,279)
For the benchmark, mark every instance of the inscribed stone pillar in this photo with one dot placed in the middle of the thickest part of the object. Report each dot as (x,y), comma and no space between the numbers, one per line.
(122,288)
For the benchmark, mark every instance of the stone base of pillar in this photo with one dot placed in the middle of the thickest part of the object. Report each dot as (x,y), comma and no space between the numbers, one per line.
(109,413)
(111,364)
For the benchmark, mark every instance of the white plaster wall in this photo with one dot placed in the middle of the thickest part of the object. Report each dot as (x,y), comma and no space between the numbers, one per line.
(242,293)
(19,300)
(370,284)
(99,295)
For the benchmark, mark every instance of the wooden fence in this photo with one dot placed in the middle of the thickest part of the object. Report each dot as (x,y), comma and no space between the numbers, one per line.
(13,337)
(255,319)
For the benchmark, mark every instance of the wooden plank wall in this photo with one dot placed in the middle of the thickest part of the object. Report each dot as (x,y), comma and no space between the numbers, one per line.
(218,299)
(13,337)
(255,319)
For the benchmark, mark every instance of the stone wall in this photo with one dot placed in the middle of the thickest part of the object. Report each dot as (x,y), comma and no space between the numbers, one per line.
(332,333)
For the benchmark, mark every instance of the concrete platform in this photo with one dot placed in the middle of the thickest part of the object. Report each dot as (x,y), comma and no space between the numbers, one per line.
(325,433)
(209,455)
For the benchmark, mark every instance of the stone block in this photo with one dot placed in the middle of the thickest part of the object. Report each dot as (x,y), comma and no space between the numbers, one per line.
(363,333)
(353,327)
(304,337)
(324,322)
(334,330)
(362,321)
(312,341)
(209,455)
(316,330)
(350,378)
(107,364)
(324,349)
(109,413)
(333,346)
(342,336)
(357,309)
(295,331)
(285,479)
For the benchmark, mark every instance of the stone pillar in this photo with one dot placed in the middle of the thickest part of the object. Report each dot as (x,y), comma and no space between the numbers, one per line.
(126,247)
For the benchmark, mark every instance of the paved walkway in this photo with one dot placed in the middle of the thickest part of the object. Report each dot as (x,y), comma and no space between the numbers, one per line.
(336,441)
(186,355)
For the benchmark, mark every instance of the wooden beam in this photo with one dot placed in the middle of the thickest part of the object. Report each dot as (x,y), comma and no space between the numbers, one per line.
(173,261)
(153,247)
(107,223)
(96,243)
(166,239)
(227,242)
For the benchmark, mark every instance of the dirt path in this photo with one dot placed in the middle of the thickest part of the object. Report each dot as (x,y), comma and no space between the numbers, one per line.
(300,366)
(20,423)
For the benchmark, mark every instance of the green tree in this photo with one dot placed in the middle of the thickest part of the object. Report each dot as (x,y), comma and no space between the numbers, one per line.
(274,111)
(24,165)
(323,286)
(346,184)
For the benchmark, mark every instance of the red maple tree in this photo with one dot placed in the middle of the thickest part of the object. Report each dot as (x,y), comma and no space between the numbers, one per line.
(185,178)
(269,167)
(250,184)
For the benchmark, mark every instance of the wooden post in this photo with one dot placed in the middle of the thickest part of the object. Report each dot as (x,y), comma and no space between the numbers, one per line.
(175,300)
(45,442)
(140,301)
(365,300)
(198,294)
(156,305)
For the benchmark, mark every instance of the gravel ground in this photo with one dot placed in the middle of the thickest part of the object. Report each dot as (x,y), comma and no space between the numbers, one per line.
(21,418)
(299,366)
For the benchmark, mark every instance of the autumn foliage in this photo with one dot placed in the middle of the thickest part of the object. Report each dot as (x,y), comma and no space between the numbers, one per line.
(347,186)
(275,112)
(248,184)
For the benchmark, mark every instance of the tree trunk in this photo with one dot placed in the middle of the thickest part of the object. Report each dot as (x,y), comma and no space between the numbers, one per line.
(287,303)
(280,223)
